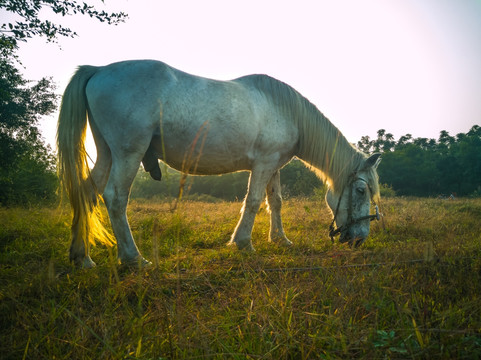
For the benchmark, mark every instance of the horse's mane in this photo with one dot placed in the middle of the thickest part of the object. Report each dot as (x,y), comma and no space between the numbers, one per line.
(321,144)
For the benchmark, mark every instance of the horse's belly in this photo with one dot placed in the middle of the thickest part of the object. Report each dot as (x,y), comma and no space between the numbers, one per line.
(200,156)
(201,164)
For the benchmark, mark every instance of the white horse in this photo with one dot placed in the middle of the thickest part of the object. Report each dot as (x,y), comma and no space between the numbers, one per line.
(142,111)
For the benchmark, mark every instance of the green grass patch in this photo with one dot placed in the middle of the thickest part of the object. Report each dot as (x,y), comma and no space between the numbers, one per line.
(412,291)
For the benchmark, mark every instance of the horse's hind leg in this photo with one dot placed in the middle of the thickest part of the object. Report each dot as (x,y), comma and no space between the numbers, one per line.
(274,201)
(80,255)
(116,196)
(100,172)
(99,175)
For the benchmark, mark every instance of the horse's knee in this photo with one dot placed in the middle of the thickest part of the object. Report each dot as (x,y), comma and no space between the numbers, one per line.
(274,201)
(252,202)
(114,202)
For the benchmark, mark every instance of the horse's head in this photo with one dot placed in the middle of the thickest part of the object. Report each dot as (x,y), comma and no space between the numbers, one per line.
(351,206)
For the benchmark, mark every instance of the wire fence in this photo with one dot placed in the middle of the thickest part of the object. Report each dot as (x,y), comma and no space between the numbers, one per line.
(185,273)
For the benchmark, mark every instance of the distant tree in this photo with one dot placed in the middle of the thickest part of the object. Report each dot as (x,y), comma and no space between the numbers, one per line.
(403,140)
(426,167)
(366,145)
(27,171)
(146,188)
(445,139)
(298,180)
(384,142)
(475,131)
(460,137)
(425,143)
(410,171)
(23,157)
(467,152)
(388,142)
(229,187)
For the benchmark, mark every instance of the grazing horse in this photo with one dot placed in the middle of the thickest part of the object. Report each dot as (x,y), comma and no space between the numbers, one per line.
(144,110)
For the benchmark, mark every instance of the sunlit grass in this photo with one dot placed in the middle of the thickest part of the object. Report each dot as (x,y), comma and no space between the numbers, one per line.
(411,291)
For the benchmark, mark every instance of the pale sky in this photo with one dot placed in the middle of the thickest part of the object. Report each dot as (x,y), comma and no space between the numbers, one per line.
(407,66)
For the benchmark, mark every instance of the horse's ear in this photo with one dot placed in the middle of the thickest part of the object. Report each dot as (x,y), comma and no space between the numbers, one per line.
(372,161)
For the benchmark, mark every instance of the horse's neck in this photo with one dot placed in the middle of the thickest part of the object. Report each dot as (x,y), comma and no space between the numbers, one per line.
(346,161)
(321,144)
(324,147)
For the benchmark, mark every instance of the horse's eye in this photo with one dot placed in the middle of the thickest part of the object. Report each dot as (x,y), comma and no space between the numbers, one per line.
(360,191)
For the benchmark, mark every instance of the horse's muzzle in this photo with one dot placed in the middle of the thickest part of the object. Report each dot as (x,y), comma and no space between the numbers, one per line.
(352,242)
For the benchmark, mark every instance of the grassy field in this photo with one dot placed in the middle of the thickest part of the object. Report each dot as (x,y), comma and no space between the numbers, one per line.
(413,290)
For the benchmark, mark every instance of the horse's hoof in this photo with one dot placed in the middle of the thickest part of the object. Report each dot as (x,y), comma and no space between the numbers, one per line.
(139,263)
(244,246)
(286,242)
(84,263)
(281,240)
(247,248)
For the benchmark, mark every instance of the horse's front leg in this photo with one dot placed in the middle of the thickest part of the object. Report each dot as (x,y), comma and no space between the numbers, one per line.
(255,194)
(116,197)
(274,200)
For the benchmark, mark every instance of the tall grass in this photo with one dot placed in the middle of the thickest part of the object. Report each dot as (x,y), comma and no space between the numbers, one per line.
(412,291)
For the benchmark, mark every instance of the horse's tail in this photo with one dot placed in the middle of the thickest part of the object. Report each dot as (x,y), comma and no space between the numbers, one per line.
(72,167)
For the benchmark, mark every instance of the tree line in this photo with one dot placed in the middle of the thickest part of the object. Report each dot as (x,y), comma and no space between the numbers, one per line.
(410,167)
(429,167)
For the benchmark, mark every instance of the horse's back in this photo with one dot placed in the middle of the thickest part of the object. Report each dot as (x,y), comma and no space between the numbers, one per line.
(138,85)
